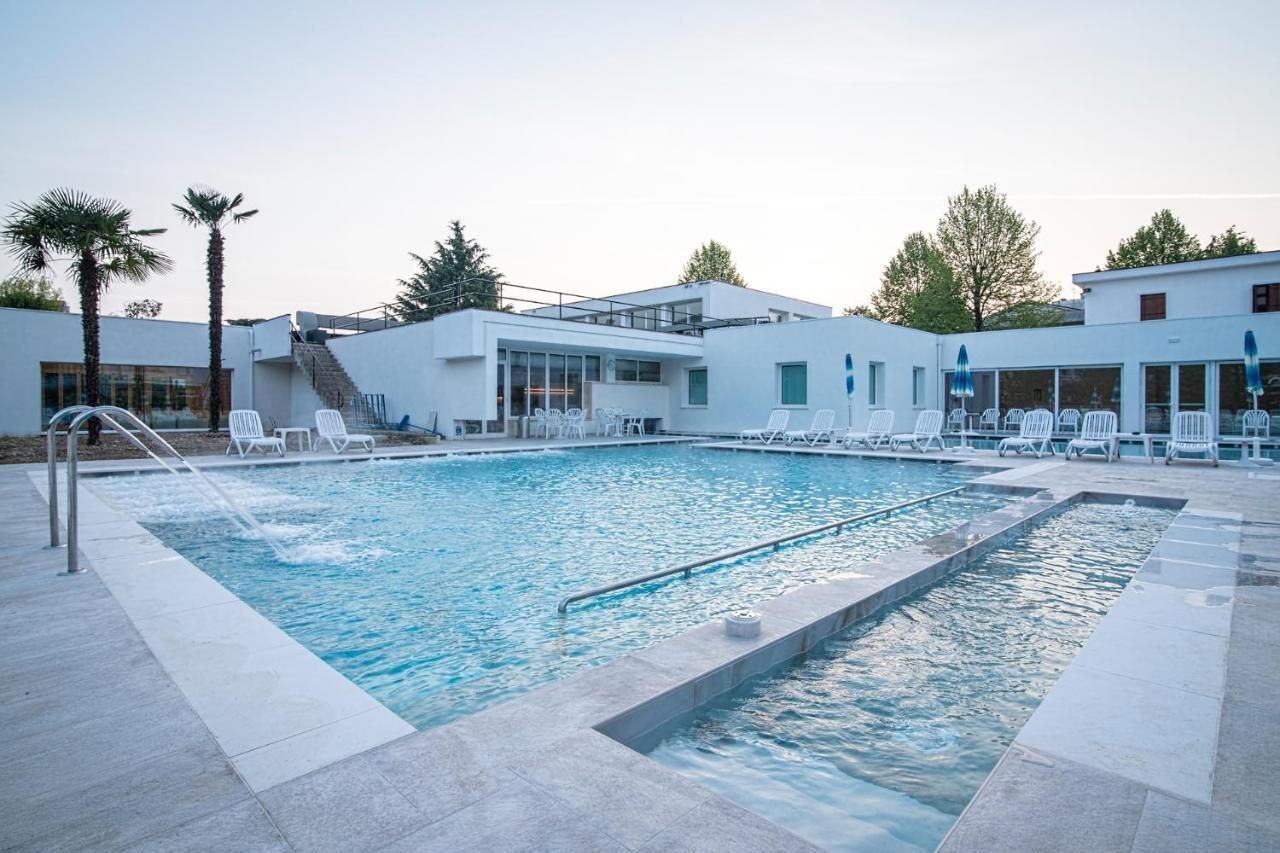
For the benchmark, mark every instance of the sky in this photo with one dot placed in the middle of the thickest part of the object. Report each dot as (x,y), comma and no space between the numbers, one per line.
(590,147)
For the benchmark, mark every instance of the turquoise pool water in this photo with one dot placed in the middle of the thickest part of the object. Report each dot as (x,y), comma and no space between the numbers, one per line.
(878,739)
(433,583)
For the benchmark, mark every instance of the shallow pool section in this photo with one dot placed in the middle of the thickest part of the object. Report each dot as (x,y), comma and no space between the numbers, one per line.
(433,583)
(878,739)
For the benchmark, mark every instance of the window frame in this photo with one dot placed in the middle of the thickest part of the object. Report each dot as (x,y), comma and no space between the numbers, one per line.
(782,368)
(1266,298)
(918,383)
(688,388)
(876,384)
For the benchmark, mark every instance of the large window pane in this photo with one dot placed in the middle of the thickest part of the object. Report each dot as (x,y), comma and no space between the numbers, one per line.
(556,382)
(984,391)
(625,370)
(1026,389)
(649,371)
(164,397)
(794,384)
(1234,400)
(1157,397)
(538,381)
(593,368)
(1089,389)
(573,382)
(520,384)
(1191,394)
(698,386)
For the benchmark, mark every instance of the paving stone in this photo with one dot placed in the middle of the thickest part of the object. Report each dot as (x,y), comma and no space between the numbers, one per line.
(718,825)
(517,818)
(244,828)
(622,793)
(1035,801)
(1246,777)
(1171,825)
(439,771)
(344,807)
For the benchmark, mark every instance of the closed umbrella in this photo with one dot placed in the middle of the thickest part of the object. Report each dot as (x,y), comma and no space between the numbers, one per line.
(1253,383)
(962,387)
(848,384)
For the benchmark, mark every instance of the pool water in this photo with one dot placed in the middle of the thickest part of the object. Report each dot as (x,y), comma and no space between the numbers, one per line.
(878,739)
(432,583)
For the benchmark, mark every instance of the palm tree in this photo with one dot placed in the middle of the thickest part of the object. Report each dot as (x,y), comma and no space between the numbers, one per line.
(207,208)
(100,245)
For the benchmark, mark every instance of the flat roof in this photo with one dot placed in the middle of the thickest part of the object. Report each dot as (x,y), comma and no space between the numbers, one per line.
(1104,276)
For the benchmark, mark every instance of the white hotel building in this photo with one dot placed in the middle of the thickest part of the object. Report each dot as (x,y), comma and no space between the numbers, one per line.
(704,357)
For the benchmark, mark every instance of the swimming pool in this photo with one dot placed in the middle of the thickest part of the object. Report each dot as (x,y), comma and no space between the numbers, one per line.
(432,583)
(877,740)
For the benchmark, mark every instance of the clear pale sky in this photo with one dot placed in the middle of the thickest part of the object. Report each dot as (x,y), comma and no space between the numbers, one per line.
(591,146)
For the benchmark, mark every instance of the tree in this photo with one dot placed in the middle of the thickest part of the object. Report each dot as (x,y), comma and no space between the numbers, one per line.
(918,289)
(712,261)
(207,208)
(1165,241)
(246,321)
(456,276)
(991,249)
(143,309)
(102,245)
(35,293)
(1228,243)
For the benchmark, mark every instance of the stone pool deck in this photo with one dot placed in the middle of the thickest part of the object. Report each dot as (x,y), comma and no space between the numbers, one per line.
(108,747)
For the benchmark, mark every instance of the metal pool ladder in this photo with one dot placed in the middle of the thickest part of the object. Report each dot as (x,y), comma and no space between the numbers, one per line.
(687,568)
(111,415)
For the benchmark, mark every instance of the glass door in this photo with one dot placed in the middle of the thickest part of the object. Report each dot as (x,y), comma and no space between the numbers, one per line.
(1157,397)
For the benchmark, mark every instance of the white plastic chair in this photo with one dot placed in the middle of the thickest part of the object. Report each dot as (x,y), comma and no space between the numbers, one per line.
(1255,423)
(1097,432)
(1069,419)
(955,420)
(928,430)
(538,423)
(1033,434)
(1193,434)
(331,428)
(599,422)
(574,423)
(555,423)
(246,434)
(634,423)
(824,421)
(774,429)
(990,418)
(1013,418)
(879,430)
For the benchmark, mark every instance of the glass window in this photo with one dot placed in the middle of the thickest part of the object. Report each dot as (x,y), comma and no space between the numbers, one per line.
(164,397)
(649,371)
(697,386)
(984,391)
(687,312)
(917,387)
(1266,298)
(1234,400)
(1157,397)
(1191,387)
(1089,389)
(625,370)
(793,384)
(537,381)
(520,384)
(593,368)
(556,382)
(875,387)
(1026,389)
(573,382)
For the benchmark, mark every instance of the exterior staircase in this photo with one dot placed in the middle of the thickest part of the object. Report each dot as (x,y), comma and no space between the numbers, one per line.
(328,378)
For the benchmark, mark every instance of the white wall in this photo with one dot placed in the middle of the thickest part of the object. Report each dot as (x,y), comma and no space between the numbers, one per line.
(742,372)
(1213,288)
(28,338)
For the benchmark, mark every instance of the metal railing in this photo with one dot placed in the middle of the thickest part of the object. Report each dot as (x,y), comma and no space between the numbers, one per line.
(687,568)
(240,517)
(502,296)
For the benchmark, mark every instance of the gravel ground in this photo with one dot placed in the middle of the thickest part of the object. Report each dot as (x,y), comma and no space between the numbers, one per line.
(17,449)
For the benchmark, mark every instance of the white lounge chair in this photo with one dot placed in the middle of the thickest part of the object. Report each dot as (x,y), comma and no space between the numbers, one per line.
(1034,434)
(990,418)
(824,421)
(1013,418)
(1069,419)
(772,431)
(246,434)
(1192,433)
(879,430)
(928,430)
(330,428)
(1097,432)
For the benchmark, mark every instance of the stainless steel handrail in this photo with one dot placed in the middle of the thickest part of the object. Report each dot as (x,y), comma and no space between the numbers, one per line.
(51,445)
(688,568)
(105,413)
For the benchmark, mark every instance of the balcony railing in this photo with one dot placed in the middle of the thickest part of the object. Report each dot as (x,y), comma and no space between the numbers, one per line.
(555,304)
